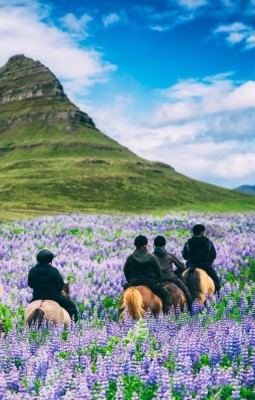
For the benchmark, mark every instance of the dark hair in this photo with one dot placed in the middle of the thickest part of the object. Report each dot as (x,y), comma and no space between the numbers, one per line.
(45,256)
(159,241)
(140,241)
(197,229)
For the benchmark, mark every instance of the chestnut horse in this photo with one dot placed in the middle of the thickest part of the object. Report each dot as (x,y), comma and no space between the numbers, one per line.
(48,310)
(200,284)
(138,299)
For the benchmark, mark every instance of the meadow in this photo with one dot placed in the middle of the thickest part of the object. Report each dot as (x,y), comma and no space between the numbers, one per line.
(199,356)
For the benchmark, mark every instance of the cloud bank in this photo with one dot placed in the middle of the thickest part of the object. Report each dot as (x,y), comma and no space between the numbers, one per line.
(202,127)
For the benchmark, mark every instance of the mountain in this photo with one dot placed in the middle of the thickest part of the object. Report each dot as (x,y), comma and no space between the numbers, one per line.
(53,158)
(246,189)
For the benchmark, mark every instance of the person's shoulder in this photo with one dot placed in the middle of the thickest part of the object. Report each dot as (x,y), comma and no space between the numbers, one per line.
(54,269)
(130,256)
(153,257)
(172,256)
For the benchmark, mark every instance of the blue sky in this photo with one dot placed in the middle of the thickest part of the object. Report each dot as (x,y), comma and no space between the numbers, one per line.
(173,80)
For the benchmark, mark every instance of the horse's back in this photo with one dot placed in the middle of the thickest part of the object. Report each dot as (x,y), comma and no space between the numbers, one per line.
(52,310)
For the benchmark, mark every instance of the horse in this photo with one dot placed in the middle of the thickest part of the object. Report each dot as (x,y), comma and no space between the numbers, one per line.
(178,297)
(48,310)
(138,299)
(200,284)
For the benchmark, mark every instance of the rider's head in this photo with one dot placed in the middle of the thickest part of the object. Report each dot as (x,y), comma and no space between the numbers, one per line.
(198,230)
(45,256)
(140,241)
(159,241)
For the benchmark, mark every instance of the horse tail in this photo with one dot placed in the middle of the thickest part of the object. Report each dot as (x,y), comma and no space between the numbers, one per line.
(36,316)
(192,281)
(132,299)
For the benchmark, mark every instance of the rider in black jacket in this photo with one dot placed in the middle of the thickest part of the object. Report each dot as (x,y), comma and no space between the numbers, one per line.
(47,283)
(200,252)
(142,268)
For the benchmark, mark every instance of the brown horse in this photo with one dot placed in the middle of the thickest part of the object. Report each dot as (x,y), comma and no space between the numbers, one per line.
(178,297)
(138,299)
(48,310)
(199,283)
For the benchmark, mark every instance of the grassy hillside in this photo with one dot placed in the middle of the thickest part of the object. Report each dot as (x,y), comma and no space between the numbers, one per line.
(53,159)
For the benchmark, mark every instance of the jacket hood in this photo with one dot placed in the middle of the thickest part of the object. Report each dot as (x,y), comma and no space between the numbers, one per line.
(141,255)
(160,251)
(198,241)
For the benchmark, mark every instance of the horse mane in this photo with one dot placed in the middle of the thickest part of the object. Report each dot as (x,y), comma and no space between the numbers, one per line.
(132,299)
(192,281)
(36,316)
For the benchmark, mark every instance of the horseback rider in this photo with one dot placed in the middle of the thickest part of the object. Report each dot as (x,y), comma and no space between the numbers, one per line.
(142,268)
(47,283)
(166,260)
(200,252)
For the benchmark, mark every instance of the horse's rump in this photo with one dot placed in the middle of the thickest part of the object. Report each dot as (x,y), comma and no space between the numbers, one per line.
(191,278)
(178,297)
(199,283)
(138,299)
(48,309)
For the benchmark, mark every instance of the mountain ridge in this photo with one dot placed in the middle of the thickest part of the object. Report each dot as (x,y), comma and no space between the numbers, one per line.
(246,189)
(53,158)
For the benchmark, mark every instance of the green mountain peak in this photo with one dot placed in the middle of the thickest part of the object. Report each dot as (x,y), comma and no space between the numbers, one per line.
(53,158)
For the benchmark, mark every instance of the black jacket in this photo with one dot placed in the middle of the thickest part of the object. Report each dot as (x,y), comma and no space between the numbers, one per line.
(45,280)
(166,261)
(142,266)
(199,250)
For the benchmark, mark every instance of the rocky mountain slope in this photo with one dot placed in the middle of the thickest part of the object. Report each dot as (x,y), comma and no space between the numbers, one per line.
(53,158)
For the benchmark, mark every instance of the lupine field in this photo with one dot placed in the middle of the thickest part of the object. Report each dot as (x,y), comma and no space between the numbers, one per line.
(208,355)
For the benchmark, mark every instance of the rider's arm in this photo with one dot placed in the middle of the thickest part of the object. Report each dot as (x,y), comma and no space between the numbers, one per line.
(30,280)
(178,263)
(126,269)
(59,280)
(212,251)
(185,252)
(157,269)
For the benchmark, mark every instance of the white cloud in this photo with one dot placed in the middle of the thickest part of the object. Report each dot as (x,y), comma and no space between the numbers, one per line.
(194,99)
(193,4)
(23,30)
(110,19)
(237,32)
(76,25)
